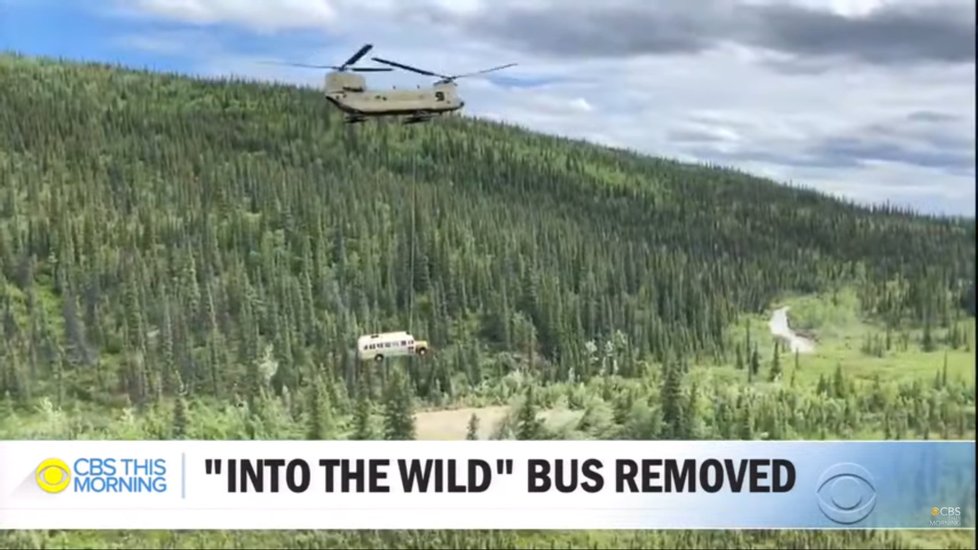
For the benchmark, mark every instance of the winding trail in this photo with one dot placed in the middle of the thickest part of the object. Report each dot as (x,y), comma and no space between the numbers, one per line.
(779,328)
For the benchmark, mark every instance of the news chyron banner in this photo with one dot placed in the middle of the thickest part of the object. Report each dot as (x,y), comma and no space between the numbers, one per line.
(486,485)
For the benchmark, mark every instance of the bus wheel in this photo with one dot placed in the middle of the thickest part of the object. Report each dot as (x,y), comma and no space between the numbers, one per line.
(379,358)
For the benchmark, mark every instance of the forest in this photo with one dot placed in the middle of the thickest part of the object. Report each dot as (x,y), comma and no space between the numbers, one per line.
(190,258)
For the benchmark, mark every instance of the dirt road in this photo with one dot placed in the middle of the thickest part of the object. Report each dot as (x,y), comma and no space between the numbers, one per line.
(779,328)
(453,424)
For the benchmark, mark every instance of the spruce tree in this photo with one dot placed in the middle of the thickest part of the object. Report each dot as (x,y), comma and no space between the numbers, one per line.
(398,408)
(363,424)
(755,364)
(746,422)
(180,420)
(775,364)
(969,337)
(839,382)
(319,410)
(927,342)
(528,425)
(692,424)
(944,372)
(672,400)
(954,336)
(473,429)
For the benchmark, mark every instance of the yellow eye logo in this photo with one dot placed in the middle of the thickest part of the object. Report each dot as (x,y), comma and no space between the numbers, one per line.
(52,475)
(934,511)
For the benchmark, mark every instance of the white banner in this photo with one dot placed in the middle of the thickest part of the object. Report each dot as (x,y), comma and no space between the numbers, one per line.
(483,484)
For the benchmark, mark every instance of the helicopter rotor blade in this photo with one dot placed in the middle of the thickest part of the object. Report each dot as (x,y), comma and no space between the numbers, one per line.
(356,57)
(484,71)
(407,67)
(371,69)
(304,65)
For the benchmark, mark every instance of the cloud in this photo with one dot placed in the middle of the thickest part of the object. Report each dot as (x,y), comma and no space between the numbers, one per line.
(891,34)
(888,34)
(260,15)
(922,138)
(871,32)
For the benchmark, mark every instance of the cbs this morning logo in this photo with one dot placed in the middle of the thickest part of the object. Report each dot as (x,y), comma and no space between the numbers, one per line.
(945,516)
(102,475)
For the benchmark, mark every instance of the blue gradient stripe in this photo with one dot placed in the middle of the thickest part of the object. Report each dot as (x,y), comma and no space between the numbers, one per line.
(177,485)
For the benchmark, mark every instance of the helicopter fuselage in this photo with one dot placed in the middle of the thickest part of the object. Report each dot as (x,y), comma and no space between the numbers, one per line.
(349,93)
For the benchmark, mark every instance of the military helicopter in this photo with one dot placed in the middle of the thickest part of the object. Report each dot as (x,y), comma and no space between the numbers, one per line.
(349,92)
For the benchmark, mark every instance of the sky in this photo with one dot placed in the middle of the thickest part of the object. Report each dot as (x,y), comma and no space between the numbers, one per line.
(871,100)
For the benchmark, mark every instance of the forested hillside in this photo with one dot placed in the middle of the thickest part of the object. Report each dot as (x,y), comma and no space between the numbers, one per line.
(187,258)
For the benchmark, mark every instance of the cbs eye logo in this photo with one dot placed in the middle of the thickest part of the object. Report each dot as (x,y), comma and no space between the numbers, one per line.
(52,475)
(846,493)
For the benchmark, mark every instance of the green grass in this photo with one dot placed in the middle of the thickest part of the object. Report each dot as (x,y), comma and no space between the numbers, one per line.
(841,330)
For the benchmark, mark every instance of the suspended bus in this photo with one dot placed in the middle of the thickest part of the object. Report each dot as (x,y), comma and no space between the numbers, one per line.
(389,344)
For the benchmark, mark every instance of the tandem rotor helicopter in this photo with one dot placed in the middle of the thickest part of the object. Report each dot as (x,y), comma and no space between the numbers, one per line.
(349,92)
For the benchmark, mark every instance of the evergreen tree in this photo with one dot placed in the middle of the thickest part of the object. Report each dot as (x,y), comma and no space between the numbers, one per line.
(363,423)
(839,382)
(775,364)
(954,336)
(319,410)
(692,423)
(944,372)
(755,364)
(747,422)
(927,342)
(398,408)
(673,406)
(969,337)
(180,420)
(528,425)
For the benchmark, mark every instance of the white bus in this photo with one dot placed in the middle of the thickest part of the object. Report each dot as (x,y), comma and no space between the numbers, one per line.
(389,344)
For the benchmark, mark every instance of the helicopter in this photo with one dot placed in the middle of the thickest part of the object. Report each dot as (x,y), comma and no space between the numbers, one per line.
(349,92)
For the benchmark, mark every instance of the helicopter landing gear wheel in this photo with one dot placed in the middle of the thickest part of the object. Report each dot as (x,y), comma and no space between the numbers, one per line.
(379,359)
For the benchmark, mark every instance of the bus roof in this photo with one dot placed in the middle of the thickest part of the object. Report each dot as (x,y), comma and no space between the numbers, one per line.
(384,336)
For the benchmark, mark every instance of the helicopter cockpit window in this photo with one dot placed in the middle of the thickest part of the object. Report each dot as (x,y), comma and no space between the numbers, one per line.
(440,96)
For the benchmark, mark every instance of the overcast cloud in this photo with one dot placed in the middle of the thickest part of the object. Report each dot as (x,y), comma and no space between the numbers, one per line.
(869,99)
